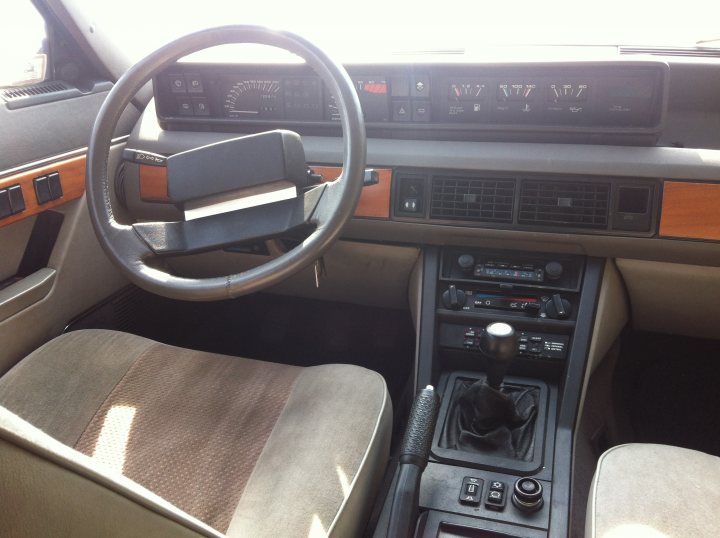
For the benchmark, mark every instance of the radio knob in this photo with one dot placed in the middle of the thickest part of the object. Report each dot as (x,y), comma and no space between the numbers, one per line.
(553,270)
(453,298)
(466,262)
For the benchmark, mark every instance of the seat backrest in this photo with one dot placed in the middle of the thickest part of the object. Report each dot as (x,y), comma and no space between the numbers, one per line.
(49,489)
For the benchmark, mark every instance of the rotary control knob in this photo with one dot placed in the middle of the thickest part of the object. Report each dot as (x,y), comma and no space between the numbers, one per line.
(558,307)
(528,495)
(466,263)
(553,270)
(453,298)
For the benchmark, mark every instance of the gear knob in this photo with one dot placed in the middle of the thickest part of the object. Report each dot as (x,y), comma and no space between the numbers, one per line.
(499,345)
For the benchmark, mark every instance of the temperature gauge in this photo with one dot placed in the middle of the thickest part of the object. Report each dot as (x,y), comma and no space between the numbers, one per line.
(568,92)
(516,91)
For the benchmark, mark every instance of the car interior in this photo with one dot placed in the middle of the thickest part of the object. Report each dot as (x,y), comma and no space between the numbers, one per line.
(436,293)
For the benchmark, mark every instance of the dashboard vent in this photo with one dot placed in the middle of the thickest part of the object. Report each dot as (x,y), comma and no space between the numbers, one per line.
(11,94)
(577,204)
(474,199)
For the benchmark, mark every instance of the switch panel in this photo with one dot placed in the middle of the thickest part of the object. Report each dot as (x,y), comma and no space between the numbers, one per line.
(48,188)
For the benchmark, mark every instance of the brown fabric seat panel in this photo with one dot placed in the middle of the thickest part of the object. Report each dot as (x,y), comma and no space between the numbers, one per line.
(198,423)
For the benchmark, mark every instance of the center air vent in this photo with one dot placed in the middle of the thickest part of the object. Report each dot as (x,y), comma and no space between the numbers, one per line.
(577,204)
(482,200)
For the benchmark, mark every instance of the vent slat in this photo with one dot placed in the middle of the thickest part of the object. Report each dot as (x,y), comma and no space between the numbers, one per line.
(12,94)
(473,199)
(579,204)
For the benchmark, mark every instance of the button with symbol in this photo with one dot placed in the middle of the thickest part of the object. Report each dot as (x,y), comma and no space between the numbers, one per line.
(471,490)
(177,84)
(420,86)
(421,111)
(495,499)
(194,83)
(401,111)
(201,107)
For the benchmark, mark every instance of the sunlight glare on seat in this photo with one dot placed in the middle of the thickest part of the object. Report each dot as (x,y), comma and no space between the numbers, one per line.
(112,442)
(316,528)
(344,482)
(634,530)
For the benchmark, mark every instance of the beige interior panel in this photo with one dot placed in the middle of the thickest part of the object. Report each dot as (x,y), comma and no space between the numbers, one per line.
(611,316)
(673,298)
(360,273)
(84,277)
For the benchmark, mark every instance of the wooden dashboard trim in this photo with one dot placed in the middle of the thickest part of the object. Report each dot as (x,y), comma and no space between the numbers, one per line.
(690,210)
(72,179)
(153,183)
(374,200)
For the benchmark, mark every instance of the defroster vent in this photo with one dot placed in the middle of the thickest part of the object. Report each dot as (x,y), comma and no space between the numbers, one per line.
(472,199)
(576,204)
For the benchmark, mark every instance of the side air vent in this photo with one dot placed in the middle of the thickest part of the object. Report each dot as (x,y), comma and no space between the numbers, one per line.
(481,200)
(576,204)
(12,94)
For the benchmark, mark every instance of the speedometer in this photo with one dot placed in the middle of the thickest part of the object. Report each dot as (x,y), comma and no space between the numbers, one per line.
(254,98)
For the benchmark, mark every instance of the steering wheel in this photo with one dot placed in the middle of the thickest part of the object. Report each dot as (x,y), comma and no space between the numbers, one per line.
(323,208)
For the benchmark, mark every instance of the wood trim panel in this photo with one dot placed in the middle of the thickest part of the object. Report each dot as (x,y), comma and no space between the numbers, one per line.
(690,210)
(153,183)
(72,179)
(374,200)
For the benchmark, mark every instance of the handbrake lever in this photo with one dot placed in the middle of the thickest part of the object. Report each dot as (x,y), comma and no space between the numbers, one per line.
(414,454)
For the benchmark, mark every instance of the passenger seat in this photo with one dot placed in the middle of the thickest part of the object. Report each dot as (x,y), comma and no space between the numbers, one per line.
(654,491)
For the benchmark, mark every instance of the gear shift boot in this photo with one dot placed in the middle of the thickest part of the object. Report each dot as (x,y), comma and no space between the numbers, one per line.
(498,429)
(497,422)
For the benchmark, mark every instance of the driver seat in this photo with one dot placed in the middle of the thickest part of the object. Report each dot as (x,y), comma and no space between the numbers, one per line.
(104,433)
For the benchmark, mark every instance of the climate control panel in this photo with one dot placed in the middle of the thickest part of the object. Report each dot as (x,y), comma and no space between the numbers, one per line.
(550,306)
(532,345)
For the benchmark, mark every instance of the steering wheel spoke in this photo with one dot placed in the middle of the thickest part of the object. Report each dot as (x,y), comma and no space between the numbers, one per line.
(227,229)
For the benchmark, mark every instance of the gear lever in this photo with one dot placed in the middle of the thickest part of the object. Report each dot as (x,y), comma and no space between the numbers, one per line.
(499,344)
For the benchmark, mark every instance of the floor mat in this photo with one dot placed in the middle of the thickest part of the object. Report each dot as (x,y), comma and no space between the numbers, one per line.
(670,388)
(268,327)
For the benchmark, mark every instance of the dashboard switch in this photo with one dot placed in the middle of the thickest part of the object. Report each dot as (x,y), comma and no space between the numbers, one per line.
(471,490)
(401,111)
(5,209)
(55,186)
(42,189)
(17,201)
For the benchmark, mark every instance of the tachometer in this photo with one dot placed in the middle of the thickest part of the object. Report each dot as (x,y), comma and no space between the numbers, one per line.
(254,99)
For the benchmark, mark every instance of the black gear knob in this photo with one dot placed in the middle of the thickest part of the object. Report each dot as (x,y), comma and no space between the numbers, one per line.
(499,345)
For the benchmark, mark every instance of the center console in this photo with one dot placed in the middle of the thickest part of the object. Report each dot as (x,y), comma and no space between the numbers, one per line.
(504,338)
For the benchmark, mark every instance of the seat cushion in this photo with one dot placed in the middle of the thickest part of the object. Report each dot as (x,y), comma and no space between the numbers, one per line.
(248,447)
(654,491)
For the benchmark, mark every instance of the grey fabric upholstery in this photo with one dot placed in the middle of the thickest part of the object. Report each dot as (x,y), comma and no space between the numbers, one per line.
(324,457)
(320,456)
(59,387)
(654,491)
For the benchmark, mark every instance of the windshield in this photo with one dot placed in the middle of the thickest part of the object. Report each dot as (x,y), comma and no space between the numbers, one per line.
(357,30)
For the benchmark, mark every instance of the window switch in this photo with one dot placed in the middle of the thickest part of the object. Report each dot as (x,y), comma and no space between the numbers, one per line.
(42,189)
(5,209)
(55,186)
(471,490)
(17,202)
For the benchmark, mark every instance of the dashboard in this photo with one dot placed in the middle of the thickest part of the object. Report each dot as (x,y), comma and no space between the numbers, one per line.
(425,101)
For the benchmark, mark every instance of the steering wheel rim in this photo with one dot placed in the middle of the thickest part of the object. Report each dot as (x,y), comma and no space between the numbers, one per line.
(127,250)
